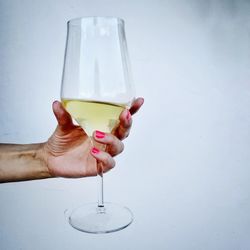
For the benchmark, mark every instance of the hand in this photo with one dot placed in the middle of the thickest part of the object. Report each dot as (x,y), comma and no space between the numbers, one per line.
(69,151)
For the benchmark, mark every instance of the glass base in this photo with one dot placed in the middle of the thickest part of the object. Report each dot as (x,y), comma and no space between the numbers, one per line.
(90,218)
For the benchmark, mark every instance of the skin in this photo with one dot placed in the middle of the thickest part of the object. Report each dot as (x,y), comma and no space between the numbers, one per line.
(69,152)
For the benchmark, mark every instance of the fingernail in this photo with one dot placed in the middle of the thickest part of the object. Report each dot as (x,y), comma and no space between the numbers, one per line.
(128,116)
(142,100)
(55,103)
(99,134)
(95,150)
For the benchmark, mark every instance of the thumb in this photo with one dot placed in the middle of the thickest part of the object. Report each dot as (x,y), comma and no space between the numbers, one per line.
(63,117)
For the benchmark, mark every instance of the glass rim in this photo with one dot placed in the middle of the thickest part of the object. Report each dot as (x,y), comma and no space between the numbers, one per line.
(74,21)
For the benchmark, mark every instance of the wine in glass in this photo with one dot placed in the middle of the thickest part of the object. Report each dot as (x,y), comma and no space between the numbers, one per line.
(96,88)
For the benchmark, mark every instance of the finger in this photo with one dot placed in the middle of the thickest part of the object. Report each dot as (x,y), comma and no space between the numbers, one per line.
(114,145)
(136,105)
(122,131)
(104,158)
(63,117)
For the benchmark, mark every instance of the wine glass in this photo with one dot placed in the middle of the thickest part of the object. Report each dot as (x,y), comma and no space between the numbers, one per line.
(96,87)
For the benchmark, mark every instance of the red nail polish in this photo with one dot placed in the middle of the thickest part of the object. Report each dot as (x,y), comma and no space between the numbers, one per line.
(99,134)
(95,150)
(128,116)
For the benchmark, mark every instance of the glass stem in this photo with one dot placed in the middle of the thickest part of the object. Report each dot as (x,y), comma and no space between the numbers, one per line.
(100,207)
(100,186)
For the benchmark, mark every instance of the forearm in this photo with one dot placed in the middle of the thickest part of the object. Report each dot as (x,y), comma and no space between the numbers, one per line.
(22,162)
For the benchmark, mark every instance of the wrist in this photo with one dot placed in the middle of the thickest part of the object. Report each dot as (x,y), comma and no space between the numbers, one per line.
(21,162)
(42,156)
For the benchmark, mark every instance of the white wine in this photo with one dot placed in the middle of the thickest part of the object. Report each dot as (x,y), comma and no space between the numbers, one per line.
(93,115)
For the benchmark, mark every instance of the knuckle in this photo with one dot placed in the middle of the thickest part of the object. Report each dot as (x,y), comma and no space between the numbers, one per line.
(126,135)
(122,147)
(122,132)
(109,166)
(112,165)
(105,160)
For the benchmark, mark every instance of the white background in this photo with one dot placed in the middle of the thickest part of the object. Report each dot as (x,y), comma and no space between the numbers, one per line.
(185,171)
